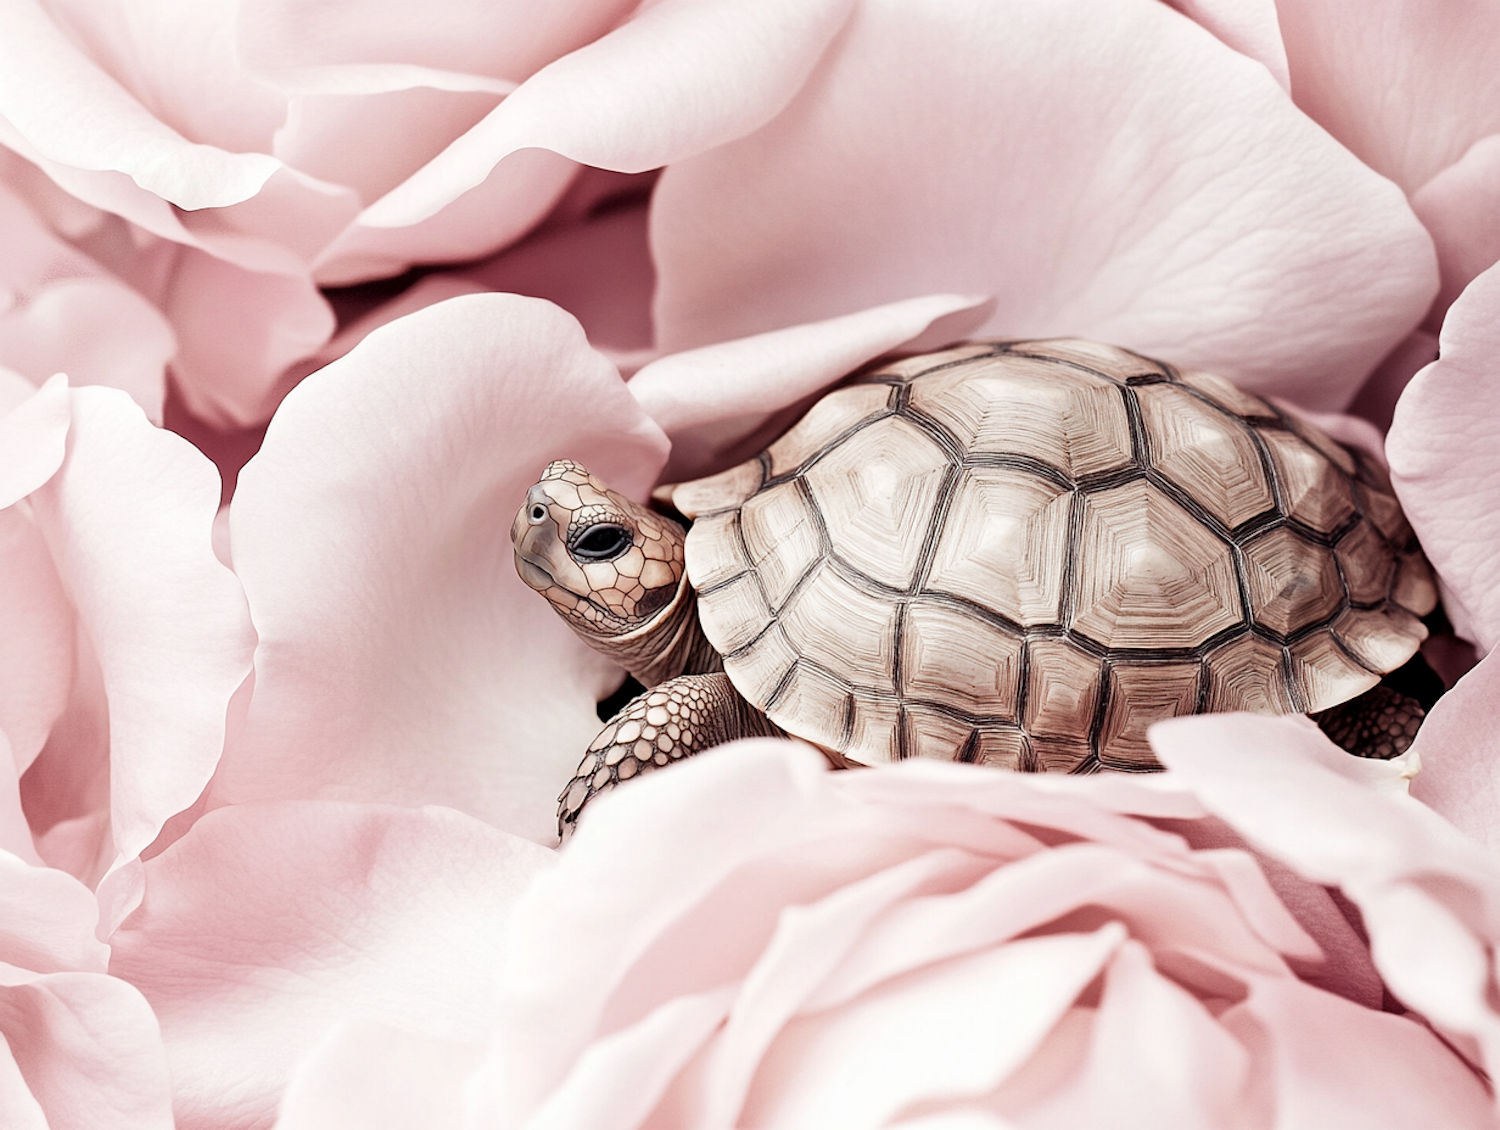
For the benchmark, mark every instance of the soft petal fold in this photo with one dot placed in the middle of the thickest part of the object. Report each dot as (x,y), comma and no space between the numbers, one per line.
(128,520)
(54,289)
(1459,746)
(400,656)
(1137,182)
(1250,28)
(240,330)
(1406,85)
(88,1049)
(718,402)
(33,438)
(75,113)
(618,103)
(1461,208)
(366,1076)
(1445,462)
(267,923)
(1429,897)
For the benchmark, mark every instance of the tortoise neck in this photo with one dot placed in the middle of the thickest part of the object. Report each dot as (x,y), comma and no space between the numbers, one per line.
(671,643)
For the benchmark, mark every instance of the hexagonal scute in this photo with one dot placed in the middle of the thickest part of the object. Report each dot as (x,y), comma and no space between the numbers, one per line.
(952,657)
(717,492)
(1293,582)
(1382,640)
(835,415)
(713,553)
(1210,455)
(1148,575)
(1247,674)
(761,667)
(1367,563)
(877,493)
(783,538)
(1004,544)
(814,706)
(1140,694)
(1324,675)
(1383,509)
(1109,360)
(934,735)
(1415,588)
(1059,755)
(1062,691)
(1312,489)
(842,627)
(872,736)
(1062,416)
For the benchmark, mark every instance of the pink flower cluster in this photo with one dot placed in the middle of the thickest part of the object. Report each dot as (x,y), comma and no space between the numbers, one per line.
(297,296)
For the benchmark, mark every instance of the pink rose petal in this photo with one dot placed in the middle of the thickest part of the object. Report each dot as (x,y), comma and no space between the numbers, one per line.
(400,656)
(55,289)
(1122,1077)
(508,203)
(1405,84)
(1461,208)
(1445,464)
(1376,400)
(15,830)
(1428,896)
(88,1051)
(509,40)
(267,923)
(47,920)
(618,103)
(127,519)
(75,113)
(33,436)
(1459,745)
(718,402)
(1251,29)
(1326,1062)
(37,646)
(366,1076)
(1133,180)
(239,330)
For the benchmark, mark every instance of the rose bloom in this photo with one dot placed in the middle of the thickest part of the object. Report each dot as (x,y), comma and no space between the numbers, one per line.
(297,756)
(755,941)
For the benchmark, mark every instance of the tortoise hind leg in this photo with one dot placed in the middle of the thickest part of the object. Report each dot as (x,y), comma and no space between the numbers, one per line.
(673,720)
(1382,722)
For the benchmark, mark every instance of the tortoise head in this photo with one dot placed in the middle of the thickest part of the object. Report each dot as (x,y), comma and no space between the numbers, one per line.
(607,565)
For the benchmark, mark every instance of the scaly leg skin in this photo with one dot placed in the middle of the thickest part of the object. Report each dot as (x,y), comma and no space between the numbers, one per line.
(674,720)
(1382,722)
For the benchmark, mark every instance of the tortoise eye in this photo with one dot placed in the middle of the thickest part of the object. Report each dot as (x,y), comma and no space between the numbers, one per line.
(538,512)
(603,542)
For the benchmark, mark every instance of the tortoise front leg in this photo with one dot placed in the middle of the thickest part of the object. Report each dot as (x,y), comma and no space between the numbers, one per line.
(671,721)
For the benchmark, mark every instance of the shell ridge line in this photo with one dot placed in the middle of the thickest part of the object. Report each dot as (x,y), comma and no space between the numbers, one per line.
(1067,604)
(937,522)
(1293,684)
(1031,465)
(769,480)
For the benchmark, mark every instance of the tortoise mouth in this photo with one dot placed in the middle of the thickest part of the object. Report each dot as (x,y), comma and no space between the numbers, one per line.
(537,576)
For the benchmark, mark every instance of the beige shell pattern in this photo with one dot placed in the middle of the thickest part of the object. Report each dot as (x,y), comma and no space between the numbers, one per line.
(1025,553)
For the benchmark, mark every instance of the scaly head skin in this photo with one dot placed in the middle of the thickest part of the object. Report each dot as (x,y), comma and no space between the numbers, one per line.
(611,569)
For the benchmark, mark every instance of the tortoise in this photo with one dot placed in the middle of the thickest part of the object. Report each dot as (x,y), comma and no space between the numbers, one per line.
(1018,554)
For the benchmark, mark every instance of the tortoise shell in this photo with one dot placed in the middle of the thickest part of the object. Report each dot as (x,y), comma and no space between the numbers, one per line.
(1025,553)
